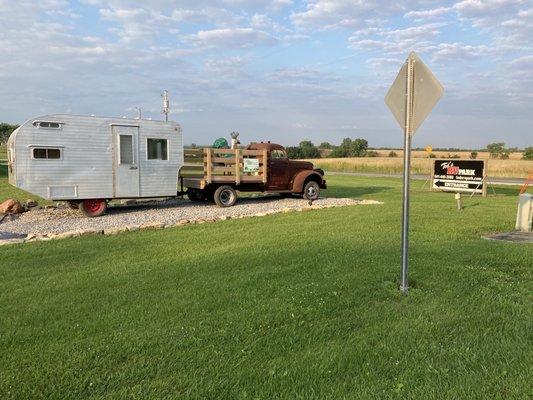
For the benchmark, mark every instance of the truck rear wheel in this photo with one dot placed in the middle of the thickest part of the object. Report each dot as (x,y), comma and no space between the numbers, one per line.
(93,207)
(225,196)
(311,191)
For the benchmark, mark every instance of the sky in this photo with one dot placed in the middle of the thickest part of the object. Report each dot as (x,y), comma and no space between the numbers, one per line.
(280,70)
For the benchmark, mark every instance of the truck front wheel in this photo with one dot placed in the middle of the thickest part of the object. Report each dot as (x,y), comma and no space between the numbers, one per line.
(311,191)
(225,196)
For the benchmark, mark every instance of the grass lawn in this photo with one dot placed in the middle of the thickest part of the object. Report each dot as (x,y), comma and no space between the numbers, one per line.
(289,306)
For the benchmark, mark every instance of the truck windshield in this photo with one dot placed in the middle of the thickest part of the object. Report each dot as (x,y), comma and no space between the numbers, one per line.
(276,154)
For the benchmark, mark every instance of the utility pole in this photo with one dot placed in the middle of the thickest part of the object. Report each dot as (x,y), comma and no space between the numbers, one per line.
(166,104)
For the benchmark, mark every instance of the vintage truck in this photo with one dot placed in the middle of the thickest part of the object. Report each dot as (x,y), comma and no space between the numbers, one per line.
(217,174)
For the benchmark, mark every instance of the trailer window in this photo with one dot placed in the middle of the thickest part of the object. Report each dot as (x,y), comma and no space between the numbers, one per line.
(46,153)
(47,125)
(126,149)
(157,149)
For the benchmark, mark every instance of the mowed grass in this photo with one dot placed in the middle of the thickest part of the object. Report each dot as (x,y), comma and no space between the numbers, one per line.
(394,165)
(289,306)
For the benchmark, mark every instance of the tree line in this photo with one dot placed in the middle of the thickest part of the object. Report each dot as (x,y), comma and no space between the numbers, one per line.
(359,148)
(5,131)
(348,148)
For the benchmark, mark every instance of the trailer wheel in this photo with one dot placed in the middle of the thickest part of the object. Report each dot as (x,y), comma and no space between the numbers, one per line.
(93,207)
(311,191)
(225,196)
(195,194)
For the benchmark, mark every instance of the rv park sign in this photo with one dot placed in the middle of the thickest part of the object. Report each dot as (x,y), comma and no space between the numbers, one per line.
(466,176)
(412,96)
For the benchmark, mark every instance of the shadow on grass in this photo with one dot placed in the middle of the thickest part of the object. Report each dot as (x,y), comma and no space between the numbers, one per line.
(354,192)
(503,191)
(3,171)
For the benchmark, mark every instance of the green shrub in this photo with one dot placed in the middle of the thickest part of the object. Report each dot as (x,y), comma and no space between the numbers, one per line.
(528,153)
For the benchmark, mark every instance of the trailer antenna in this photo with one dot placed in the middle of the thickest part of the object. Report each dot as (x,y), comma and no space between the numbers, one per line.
(166,104)
(139,112)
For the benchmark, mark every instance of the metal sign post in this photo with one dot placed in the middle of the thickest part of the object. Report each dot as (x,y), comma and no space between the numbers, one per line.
(410,98)
(404,284)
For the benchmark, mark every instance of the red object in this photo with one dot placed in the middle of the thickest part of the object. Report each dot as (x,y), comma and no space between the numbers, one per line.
(453,170)
(529,180)
(94,207)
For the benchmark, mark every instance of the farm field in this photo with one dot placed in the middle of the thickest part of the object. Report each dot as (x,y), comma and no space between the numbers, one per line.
(385,165)
(301,305)
(464,155)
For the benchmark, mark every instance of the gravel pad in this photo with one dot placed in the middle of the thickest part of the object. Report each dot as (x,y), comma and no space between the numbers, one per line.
(168,212)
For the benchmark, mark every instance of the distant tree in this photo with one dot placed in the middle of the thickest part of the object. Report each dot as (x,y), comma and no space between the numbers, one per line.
(325,145)
(308,149)
(294,152)
(193,146)
(5,131)
(528,153)
(473,155)
(372,153)
(351,148)
(393,154)
(505,154)
(495,149)
(432,155)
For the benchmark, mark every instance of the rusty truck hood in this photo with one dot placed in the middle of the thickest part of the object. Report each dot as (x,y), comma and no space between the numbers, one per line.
(299,165)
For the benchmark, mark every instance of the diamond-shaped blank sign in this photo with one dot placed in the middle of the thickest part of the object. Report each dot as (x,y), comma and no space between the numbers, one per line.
(426,92)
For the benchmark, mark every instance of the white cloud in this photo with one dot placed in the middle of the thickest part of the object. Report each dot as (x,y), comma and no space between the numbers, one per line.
(331,13)
(426,14)
(226,64)
(236,37)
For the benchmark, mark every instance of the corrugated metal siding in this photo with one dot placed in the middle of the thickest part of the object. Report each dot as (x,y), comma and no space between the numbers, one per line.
(12,167)
(87,156)
(160,176)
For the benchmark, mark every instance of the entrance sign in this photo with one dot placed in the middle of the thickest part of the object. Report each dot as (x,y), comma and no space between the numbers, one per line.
(411,97)
(466,176)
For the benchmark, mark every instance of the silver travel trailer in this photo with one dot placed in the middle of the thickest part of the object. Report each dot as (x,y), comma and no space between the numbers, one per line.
(89,160)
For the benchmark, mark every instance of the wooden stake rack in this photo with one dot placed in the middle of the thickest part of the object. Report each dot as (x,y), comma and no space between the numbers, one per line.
(205,166)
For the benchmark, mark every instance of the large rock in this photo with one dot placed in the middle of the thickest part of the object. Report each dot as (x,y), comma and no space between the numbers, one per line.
(11,206)
(30,203)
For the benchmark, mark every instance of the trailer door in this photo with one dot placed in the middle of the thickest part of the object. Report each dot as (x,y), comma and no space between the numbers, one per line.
(126,161)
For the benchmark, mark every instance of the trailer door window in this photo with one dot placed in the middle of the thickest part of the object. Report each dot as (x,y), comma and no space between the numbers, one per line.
(46,153)
(126,149)
(157,149)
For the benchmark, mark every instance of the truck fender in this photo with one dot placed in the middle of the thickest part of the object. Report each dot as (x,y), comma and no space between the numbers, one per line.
(301,177)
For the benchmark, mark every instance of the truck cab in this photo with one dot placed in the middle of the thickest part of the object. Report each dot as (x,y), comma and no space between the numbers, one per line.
(285,175)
